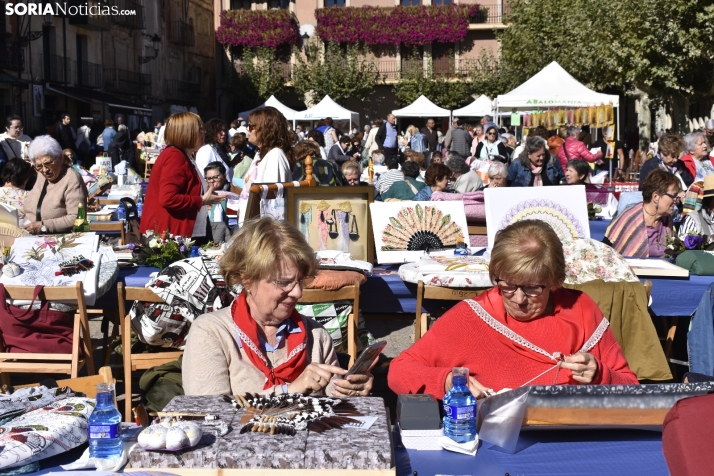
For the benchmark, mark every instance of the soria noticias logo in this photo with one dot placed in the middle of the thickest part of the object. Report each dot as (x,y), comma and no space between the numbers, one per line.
(62,8)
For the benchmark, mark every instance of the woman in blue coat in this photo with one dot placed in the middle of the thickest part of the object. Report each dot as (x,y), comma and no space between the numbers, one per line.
(535,167)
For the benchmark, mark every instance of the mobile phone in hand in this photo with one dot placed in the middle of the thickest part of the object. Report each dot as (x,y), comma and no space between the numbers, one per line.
(366,358)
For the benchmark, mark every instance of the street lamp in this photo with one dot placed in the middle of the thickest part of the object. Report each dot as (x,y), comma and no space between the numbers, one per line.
(157,44)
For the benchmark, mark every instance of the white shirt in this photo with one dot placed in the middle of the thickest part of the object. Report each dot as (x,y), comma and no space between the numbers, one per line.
(242,129)
(15,147)
(160,140)
(206,155)
(273,168)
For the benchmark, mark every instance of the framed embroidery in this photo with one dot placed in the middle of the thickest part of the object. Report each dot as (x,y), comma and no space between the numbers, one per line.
(333,218)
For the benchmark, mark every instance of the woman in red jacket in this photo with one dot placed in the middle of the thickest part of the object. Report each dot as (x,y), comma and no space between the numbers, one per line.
(177,198)
(527,330)
(575,149)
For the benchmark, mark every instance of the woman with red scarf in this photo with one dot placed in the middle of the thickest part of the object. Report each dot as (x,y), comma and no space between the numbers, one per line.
(260,344)
(527,330)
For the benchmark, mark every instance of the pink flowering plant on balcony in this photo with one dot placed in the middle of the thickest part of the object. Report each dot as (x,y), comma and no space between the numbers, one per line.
(258,28)
(410,25)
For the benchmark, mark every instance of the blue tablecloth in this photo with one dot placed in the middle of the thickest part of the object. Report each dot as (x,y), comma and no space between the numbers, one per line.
(593,452)
(597,229)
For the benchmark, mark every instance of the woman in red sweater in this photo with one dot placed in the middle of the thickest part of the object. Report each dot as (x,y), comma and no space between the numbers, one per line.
(178,197)
(527,330)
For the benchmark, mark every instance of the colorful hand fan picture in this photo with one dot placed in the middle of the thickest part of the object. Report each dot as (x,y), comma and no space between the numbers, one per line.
(420,228)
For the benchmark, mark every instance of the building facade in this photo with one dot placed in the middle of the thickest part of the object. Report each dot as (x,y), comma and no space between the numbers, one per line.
(156,58)
(390,61)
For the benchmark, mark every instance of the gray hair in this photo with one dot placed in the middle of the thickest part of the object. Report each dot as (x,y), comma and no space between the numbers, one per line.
(378,157)
(692,138)
(488,118)
(497,168)
(44,146)
(504,137)
(573,131)
(458,165)
(452,154)
(533,145)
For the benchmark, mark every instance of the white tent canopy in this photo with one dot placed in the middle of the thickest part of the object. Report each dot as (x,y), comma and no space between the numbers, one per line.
(422,107)
(328,108)
(480,107)
(273,102)
(553,87)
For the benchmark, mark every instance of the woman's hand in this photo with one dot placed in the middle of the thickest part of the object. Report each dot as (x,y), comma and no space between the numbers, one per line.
(210,199)
(353,386)
(475,387)
(33,228)
(314,378)
(582,365)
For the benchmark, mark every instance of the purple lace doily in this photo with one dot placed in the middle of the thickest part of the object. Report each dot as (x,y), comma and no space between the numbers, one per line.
(534,203)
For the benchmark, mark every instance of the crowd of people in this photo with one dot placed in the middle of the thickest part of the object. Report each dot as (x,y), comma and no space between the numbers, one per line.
(205,170)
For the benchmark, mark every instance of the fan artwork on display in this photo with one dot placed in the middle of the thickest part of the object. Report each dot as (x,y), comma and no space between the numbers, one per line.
(420,228)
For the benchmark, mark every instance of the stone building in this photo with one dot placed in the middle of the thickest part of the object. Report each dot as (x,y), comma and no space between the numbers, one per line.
(140,61)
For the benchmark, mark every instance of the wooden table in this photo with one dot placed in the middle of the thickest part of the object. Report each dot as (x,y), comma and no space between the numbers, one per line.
(359,451)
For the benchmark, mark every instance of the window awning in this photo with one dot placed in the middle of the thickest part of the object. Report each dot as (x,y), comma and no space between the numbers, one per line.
(85,95)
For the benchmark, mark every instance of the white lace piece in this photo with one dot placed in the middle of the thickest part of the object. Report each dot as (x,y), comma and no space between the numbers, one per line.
(510,334)
(246,340)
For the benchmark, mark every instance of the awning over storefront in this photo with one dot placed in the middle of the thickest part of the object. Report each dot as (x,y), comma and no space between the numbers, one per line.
(113,102)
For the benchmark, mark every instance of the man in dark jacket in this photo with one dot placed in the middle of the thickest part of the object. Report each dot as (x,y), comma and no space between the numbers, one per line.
(387,137)
(432,138)
(338,152)
(122,149)
(63,132)
(461,139)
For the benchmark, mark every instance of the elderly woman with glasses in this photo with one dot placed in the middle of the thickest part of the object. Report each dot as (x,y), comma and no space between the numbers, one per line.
(260,344)
(527,330)
(641,231)
(51,206)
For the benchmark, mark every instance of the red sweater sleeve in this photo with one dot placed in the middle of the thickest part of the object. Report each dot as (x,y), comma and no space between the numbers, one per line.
(173,191)
(582,151)
(423,368)
(612,366)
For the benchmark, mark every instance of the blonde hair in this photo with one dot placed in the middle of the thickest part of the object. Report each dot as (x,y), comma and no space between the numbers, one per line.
(183,130)
(528,252)
(261,247)
(411,130)
(416,157)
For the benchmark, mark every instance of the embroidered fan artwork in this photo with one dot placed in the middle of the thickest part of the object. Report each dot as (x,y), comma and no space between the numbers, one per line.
(420,228)
(565,224)
(75,266)
(289,413)
(305,220)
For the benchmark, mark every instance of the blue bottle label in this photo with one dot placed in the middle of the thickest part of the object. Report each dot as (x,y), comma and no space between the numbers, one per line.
(459,413)
(103,432)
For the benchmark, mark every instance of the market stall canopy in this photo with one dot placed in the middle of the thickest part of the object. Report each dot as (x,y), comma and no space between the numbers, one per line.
(422,107)
(290,114)
(480,107)
(553,87)
(328,108)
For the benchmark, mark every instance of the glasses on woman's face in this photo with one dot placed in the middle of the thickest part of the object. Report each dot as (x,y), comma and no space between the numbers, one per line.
(675,198)
(287,286)
(491,133)
(45,165)
(214,178)
(251,128)
(508,289)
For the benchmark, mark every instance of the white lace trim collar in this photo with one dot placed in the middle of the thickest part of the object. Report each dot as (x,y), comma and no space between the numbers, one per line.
(510,334)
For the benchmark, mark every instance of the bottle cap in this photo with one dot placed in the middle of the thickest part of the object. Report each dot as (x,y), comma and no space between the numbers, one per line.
(460,372)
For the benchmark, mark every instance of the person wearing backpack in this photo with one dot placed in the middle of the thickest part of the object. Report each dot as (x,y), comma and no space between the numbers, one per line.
(417,141)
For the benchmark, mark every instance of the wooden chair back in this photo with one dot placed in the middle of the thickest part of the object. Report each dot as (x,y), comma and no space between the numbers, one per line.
(140,361)
(46,362)
(111,226)
(86,385)
(424,291)
(312,296)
